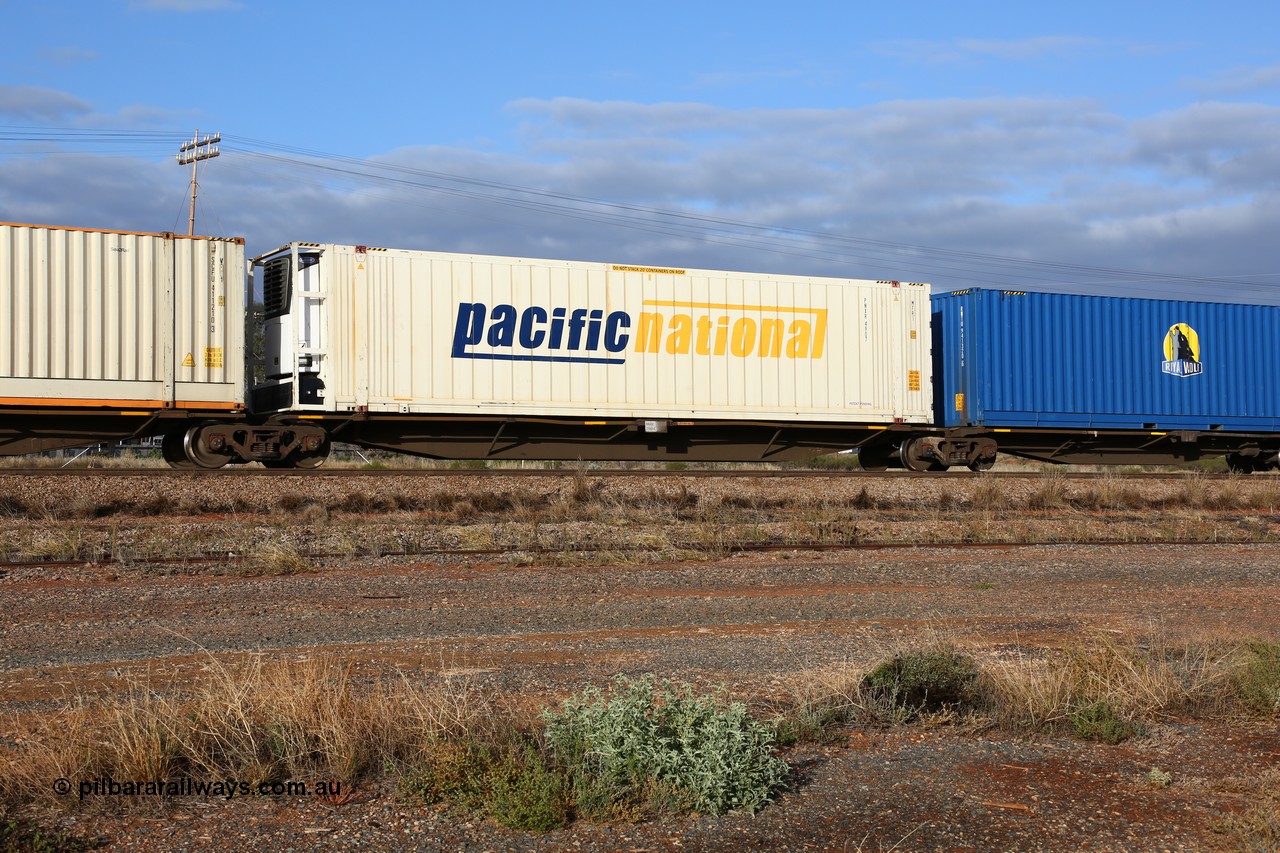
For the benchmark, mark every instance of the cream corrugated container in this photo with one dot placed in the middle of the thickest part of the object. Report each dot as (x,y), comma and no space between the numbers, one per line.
(410,331)
(111,319)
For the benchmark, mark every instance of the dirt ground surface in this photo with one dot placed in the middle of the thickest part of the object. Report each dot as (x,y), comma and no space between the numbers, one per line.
(754,623)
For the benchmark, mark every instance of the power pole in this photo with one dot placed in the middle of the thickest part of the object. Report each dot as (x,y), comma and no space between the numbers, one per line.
(193,151)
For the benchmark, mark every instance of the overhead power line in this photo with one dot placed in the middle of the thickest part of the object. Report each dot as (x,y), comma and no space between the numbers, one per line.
(828,245)
(1012,269)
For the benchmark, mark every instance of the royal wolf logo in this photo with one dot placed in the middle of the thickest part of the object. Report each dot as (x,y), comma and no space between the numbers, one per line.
(1182,352)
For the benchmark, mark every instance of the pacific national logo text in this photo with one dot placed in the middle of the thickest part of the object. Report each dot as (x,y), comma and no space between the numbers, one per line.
(1182,352)
(590,336)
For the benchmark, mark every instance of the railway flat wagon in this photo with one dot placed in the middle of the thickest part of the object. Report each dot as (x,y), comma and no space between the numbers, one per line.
(114,334)
(1091,378)
(466,356)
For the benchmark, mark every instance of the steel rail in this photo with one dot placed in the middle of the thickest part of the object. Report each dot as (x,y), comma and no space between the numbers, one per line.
(738,548)
(753,473)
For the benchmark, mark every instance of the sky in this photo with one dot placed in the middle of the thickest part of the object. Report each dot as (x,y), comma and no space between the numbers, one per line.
(1126,148)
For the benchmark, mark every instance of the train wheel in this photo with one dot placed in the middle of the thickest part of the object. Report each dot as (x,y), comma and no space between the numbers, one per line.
(1240,464)
(193,445)
(982,464)
(913,460)
(172,451)
(872,460)
(313,459)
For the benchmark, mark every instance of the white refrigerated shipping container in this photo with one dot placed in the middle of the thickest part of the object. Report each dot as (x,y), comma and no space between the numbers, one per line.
(111,319)
(352,328)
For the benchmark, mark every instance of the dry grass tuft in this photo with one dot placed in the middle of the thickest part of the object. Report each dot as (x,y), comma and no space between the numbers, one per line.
(1257,827)
(262,720)
(1105,687)
(890,684)
(1051,493)
(1106,678)
(275,558)
(988,494)
(1112,492)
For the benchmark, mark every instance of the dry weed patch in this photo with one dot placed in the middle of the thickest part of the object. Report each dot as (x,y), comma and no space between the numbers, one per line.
(1257,827)
(1104,688)
(260,721)
(1051,493)
(639,748)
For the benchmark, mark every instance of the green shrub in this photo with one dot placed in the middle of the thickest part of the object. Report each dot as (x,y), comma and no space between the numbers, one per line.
(525,792)
(929,679)
(508,780)
(641,746)
(1097,721)
(812,721)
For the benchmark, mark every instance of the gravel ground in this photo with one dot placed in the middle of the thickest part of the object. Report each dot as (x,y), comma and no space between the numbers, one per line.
(753,623)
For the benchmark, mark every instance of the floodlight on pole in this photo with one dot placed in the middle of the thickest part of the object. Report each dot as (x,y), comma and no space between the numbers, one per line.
(192,152)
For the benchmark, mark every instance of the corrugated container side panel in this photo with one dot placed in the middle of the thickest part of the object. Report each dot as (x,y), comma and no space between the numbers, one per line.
(43,338)
(31,329)
(1059,360)
(427,332)
(376,282)
(340,308)
(186,333)
(208,294)
(717,392)
(417,317)
(90,314)
(872,370)
(10,263)
(769,384)
(77,305)
(392,291)
(880,306)
(596,387)
(734,370)
(630,383)
(401,309)
(825,299)
(125,276)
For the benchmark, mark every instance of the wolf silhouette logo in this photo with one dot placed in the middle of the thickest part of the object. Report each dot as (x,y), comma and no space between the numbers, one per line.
(1182,352)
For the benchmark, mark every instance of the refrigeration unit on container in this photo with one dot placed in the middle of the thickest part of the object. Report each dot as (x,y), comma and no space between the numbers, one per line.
(415,333)
(114,319)
(1009,359)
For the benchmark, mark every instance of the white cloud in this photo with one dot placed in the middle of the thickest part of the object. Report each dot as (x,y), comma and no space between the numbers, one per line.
(966,50)
(1233,147)
(67,57)
(185,5)
(34,103)
(1027,49)
(747,78)
(1241,80)
(1193,190)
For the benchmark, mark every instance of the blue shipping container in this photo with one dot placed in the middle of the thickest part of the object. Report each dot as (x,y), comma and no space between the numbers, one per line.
(1009,359)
